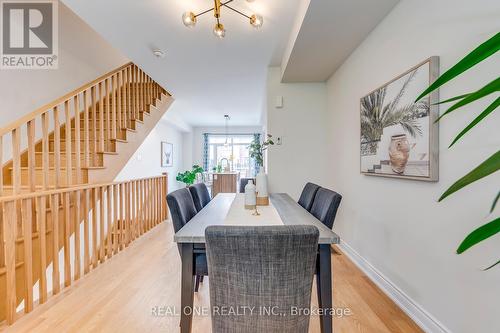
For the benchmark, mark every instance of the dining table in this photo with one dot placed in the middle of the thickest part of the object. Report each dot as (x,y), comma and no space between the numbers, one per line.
(228,209)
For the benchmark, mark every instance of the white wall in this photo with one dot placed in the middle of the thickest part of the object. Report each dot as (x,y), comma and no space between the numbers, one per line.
(397,225)
(83,56)
(146,161)
(302,125)
(197,137)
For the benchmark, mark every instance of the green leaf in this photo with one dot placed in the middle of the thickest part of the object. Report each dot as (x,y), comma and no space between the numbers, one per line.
(452,99)
(490,88)
(483,51)
(483,114)
(498,262)
(480,234)
(495,203)
(489,166)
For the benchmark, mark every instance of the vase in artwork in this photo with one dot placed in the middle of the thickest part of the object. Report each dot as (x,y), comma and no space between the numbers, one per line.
(399,152)
(261,188)
(250,195)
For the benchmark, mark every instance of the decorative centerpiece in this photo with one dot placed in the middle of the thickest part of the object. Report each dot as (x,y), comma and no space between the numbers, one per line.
(257,152)
(250,195)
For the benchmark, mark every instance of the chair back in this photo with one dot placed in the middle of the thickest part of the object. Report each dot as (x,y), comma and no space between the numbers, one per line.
(269,267)
(307,196)
(200,194)
(182,208)
(244,182)
(325,206)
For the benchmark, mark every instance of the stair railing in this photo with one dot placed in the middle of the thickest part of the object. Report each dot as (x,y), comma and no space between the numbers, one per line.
(99,219)
(68,136)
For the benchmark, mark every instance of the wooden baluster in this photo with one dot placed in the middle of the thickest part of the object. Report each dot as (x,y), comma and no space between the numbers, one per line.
(9,231)
(16,161)
(114,92)
(42,235)
(132,92)
(150,206)
(28,254)
(136,93)
(150,92)
(126,106)
(69,170)
(107,137)
(127,212)
(67,235)
(78,164)
(93,136)
(136,208)
(142,199)
(77,210)
(155,198)
(116,219)
(141,92)
(102,253)
(31,156)
(145,92)
(86,134)
(121,215)
(57,148)
(109,208)
(101,117)
(54,212)
(94,227)
(86,241)
(45,151)
(119,103)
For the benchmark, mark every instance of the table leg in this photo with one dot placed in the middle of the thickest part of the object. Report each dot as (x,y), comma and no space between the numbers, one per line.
(187,292)
(324,287)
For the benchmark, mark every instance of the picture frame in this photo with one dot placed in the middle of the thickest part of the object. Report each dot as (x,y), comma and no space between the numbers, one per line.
(167,154)
(398,137)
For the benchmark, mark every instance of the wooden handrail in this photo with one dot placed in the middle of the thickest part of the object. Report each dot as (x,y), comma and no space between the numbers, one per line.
(30,116)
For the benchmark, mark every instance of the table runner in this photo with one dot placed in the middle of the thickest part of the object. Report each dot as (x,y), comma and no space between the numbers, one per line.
(238,215)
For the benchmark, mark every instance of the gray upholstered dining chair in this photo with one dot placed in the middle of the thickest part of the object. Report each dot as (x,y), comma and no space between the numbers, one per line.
(182,210)
(325,205)
(307,196)
(200,194)
(244,182)
(266,267)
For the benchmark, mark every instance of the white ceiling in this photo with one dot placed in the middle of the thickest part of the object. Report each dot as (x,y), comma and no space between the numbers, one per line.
(329,32)
(208,77)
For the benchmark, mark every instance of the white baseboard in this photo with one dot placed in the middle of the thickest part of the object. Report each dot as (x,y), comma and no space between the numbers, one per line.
(415,311)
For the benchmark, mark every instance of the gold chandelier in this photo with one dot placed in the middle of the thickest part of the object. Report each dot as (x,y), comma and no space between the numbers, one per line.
(189,18)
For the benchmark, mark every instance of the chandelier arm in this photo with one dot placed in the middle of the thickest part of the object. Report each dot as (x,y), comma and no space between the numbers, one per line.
(235,10)
(204,12)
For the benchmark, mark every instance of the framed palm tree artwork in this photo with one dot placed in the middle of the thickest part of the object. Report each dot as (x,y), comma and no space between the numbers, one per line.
(399,137)
(167,154)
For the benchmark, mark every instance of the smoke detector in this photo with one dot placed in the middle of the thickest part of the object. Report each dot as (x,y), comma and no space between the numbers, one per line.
(158,53)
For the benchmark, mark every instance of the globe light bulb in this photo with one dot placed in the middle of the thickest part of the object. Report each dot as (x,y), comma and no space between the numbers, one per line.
(219,30)
(256,21)
(189,19)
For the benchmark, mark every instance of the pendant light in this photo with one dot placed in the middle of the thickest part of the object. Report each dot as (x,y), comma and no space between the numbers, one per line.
(226,119)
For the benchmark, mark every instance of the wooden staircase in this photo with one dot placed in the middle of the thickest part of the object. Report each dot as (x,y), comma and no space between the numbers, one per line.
(57,192)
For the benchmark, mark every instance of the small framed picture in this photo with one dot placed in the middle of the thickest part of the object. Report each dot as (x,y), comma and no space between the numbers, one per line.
(167,154)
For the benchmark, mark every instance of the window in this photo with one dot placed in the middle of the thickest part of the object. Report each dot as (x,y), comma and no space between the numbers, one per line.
(235,151)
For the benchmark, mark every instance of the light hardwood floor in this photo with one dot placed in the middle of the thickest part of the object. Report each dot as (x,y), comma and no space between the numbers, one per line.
(120,295)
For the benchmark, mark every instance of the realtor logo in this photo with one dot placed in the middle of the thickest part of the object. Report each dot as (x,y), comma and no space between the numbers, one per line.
(29,35)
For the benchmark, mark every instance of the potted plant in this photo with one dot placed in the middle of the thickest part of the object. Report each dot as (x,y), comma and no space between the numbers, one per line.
(188,177)
(257,149)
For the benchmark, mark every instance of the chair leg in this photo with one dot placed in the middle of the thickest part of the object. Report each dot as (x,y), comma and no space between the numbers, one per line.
(201,278)
(197,283)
